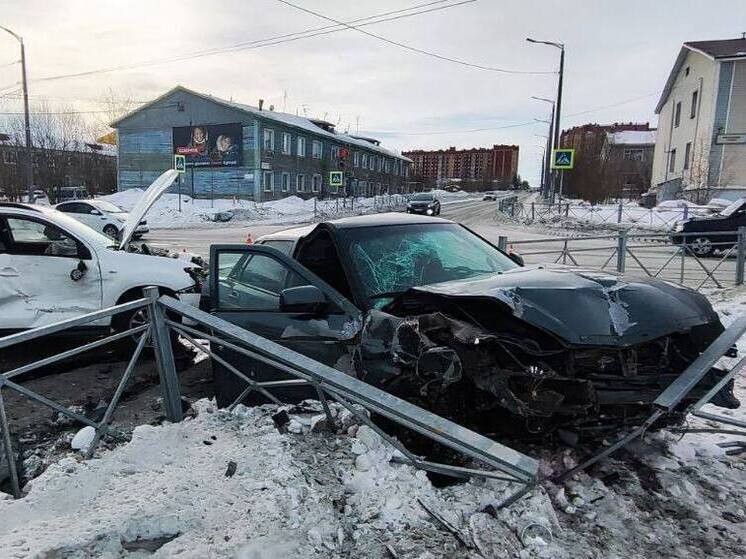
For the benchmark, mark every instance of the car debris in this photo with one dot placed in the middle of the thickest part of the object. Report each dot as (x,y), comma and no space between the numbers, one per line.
(431,312)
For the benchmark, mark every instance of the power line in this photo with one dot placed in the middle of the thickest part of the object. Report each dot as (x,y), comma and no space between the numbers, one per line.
(415,49)
(269,41)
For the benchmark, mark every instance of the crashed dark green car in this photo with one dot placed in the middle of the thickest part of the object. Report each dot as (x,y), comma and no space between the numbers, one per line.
(431,312)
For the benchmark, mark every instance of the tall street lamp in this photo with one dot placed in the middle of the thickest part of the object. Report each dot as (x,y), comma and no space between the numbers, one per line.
(546,179)
(29,164)
(558,105)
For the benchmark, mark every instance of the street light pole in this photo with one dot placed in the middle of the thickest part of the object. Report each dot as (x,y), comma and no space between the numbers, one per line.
(558,104)
(548,151)
(27,125)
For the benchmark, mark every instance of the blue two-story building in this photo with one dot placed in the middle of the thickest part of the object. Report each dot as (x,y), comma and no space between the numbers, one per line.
(231,149)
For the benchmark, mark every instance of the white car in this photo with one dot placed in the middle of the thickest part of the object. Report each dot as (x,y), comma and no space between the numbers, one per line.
(53,267)
(102,216)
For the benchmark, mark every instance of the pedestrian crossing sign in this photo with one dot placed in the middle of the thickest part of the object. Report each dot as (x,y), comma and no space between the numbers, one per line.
(336,178)
(180,164)
(563,159)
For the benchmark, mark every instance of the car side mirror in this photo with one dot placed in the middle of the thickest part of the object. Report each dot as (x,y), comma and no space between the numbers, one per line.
(95,212)
(517,258)
(304,299)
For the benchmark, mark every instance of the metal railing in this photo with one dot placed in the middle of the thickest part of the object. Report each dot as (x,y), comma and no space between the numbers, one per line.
(688,261)
(330,384)
(601,215)
(350,205)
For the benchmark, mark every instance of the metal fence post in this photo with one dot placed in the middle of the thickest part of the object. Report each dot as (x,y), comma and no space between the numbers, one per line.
(533,211)
(686,212)
(164,356)
(621,251)
(741,255)
(567,209)
(7,446)
(502,243)
(619,213)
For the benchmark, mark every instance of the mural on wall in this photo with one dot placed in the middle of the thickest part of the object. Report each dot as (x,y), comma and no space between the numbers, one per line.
(209,145)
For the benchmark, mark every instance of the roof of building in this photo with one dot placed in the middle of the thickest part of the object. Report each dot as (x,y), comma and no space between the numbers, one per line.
(714,50)
(285,118)
(632,137)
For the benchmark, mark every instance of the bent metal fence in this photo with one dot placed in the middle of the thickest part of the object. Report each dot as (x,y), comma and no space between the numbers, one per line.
(349,205)
(690,259)
(600,215)
(506,463)
(502,462)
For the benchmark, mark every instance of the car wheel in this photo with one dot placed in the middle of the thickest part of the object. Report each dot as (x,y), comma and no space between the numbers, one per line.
(111,231)
(701,246)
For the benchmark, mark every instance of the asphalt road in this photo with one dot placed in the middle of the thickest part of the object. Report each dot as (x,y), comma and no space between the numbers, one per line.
(645,256)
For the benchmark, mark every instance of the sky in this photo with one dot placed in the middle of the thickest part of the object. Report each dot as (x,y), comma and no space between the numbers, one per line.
(618,56)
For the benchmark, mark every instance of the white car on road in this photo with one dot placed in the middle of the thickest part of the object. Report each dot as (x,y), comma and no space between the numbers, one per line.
(53,267)
(102,216)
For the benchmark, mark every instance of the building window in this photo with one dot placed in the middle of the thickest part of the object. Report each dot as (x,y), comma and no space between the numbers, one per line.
(285,178)
(286,141)
(396,167)
(387,166)
(365,161)
(301,146)
(268,181)
(634,155)
(9,157)
(300,183)
(356,159)
(672,161)
(372,162)
(335,152)
(686,72)
(677,115)
(693,109)
(316,183)
(269,139)
(317,149)
(687,154)
(379,163)
(363,188)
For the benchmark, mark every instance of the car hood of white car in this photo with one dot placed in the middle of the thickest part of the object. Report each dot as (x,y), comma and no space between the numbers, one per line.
(146,201)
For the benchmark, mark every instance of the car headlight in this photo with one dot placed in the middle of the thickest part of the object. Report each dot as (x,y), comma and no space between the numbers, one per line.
(679,227)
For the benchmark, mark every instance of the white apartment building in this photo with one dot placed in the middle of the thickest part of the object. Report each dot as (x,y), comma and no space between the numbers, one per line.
(700,150)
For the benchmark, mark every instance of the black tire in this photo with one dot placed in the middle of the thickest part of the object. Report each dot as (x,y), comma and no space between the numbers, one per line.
(111,231)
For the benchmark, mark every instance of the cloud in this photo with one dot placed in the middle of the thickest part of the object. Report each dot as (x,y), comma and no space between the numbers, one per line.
(615,51)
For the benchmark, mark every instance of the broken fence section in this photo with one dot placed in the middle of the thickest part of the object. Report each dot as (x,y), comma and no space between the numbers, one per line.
(507,464)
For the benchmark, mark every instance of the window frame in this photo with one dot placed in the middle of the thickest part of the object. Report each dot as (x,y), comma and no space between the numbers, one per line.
(687,155)
(693,108)
(677,114)
(314,186)
(287,138)
(300,185)
(320,154)
(356,159)
(300,146)
(285,184)
(82,250)
(268,133)
(672,161)
(271,186)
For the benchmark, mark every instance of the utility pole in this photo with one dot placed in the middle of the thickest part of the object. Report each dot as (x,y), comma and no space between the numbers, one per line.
(27,124)
(558,104)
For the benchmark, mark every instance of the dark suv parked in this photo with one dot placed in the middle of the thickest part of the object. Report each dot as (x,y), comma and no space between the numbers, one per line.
(704,235)
(423,203)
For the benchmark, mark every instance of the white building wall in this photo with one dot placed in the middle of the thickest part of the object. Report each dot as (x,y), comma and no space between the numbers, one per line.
(733,170)
(698,130)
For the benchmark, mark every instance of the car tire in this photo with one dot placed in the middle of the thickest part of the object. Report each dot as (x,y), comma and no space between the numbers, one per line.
(111,231)
(701,246)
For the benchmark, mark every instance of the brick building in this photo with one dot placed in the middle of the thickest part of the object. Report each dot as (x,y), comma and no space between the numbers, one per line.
(498,164)
(589,179)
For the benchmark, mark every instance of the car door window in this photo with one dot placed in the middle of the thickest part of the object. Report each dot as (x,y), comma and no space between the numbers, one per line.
(39,238)
(253,282)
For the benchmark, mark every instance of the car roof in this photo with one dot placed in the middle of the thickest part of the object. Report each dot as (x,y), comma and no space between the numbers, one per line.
(372,220)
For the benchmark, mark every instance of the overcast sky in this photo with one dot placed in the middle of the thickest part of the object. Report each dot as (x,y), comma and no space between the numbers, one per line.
(617,59)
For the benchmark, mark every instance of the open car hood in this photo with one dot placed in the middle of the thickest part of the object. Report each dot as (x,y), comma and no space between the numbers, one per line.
(580,307)
(149,197)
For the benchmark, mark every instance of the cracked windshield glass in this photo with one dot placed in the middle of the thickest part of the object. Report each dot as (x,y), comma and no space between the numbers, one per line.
(391,260)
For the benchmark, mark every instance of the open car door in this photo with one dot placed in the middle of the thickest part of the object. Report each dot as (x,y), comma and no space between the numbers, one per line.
(267,292)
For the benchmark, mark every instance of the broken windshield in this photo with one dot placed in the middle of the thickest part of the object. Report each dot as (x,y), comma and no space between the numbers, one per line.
(390,260)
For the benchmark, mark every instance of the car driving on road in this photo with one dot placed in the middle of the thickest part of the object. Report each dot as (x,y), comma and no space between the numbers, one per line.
(430,311)
(102,216)
(423,203)
(53,267)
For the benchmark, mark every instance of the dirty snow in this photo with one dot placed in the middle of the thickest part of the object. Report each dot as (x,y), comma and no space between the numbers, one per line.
(292,209)
(307,493)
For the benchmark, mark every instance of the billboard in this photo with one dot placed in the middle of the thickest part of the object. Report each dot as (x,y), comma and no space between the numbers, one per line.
(209,145)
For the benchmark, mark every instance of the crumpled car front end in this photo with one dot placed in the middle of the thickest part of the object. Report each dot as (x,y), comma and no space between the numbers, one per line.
(536,351)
